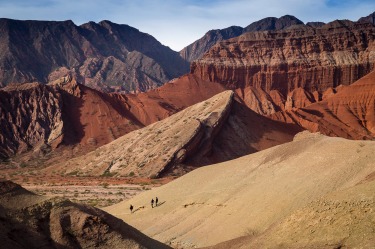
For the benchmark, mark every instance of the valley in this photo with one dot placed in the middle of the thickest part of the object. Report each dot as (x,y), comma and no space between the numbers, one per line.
(267,142)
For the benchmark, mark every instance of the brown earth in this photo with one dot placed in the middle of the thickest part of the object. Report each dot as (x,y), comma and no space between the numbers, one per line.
(316,190)
(32,221)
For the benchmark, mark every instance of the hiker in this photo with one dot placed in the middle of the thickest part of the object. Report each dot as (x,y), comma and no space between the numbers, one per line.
(131,208)
(152,203)
(156,201)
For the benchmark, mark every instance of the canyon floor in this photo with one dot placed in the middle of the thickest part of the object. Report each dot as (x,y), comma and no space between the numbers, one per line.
(94,191)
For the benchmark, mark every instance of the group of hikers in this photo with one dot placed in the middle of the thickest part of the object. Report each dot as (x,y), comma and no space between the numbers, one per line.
(152,204)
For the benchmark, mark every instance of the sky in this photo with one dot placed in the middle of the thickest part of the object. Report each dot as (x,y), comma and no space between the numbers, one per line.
(178,23)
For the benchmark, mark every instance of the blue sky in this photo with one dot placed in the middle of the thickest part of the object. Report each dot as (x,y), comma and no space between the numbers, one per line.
(177,23)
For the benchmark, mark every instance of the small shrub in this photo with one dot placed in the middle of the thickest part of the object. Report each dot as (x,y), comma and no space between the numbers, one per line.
(108,174)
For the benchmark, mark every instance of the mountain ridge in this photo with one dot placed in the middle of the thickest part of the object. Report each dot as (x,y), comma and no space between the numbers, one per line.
(105,54)
(199,47)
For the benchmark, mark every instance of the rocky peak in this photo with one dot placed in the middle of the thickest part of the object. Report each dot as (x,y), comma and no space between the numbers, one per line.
(315,24)
(273,23)
(104,54)
(196,50)
(370,18)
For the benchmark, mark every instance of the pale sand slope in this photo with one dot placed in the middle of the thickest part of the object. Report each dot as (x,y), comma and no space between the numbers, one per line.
(342,219)
(249,194)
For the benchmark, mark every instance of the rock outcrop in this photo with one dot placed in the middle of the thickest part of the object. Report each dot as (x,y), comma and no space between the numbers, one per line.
(314,59)
(349,113)
(107,55)
(196,50)
(64,112)
(370,18)
(31,221)
(30,115)
(40,117)
(215,130)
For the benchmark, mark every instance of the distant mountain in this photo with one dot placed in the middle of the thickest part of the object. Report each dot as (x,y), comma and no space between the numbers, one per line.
(315,59)
(370,18)
(198,48)
(273,23)
(106,55)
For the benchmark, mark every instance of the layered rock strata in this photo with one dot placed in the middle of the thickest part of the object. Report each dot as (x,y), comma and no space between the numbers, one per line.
(348,113)
(314,59)
(197,49)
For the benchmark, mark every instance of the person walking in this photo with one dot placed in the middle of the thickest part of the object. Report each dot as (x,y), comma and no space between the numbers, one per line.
(156,201)
(152,203)
(131,208)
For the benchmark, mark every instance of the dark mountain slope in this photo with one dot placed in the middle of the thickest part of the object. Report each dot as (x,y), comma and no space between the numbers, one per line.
(104,54)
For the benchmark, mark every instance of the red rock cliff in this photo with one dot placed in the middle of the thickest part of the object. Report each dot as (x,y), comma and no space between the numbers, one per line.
(315,59)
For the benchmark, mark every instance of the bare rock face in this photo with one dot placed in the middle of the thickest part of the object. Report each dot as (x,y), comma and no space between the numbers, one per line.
(349,113)
(314,59)
(31,221)
(107,55)
(64,113)
(41,117)
(299,98)
(154,149)
(30,116)
(215,130)
(257,100)
(196,50)
(273,23)
(370,18)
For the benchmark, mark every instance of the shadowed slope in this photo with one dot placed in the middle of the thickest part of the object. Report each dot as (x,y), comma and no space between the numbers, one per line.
(31,221)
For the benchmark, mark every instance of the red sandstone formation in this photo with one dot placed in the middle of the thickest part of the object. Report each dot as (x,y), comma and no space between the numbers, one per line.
(42,117)
(64,112)
(301,56)
(350,113)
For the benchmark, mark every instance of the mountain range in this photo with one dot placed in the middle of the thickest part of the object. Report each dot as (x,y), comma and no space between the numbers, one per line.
(266,134)
(105,55)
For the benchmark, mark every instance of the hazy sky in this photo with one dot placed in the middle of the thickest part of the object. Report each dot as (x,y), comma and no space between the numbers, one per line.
(177,23)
